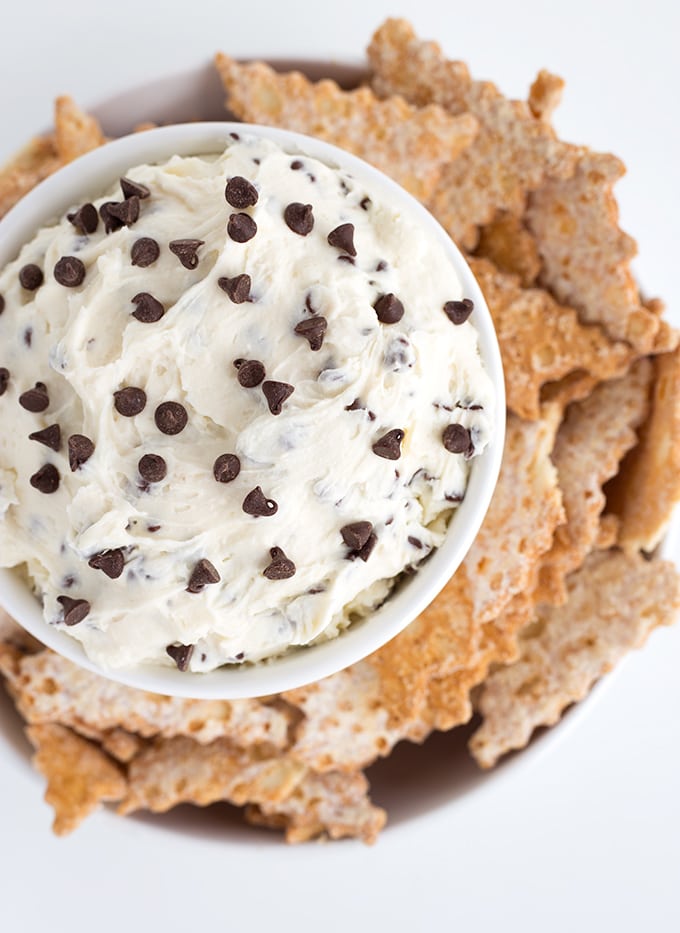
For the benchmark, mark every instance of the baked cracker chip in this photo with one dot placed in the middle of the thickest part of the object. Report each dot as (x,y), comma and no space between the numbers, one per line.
(76,132)
(26,169)
(79,775)
(586,256)
(510,247)
(647,487)
(332,805)
(410,145)
(545,95)
(541,341)
(614,602)
(591,443)
(173,771)
(49,688)
(513,152)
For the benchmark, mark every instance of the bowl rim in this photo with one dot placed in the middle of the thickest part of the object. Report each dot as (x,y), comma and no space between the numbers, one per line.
(92,173)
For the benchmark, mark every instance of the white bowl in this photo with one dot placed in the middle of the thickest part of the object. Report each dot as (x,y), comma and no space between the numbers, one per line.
(89,176)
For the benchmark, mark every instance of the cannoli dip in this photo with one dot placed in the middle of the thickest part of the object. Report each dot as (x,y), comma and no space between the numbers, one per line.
(241,397)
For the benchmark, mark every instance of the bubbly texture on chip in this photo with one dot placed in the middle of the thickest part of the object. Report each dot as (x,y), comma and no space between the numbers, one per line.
(236,409)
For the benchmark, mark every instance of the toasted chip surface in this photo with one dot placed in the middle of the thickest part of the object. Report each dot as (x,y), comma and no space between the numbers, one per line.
(614,602)
(49,688)
(541,341)
(79,775)
(507,243)
(586,256)
(591,442)
(647,488)
(409,144)
(513,152)
(29,167)
(336,805)
(76,132)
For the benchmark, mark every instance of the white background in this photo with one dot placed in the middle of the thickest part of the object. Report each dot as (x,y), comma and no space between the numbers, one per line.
(587,834)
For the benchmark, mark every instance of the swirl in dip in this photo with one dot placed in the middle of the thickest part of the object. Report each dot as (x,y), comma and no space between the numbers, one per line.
(240,396)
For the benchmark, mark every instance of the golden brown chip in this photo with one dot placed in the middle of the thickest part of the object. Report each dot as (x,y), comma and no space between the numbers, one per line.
(541,341)
(448,699)
(545,95)
(573,387)
(512,154)
(49,688)
(76,132)
(79,775)
(586,256)
(28,167)
(510,247)
(614,602)
(180,770)
(122,745)
(333,805)
(410,145)
(647,488)
(591,442)
(524,512)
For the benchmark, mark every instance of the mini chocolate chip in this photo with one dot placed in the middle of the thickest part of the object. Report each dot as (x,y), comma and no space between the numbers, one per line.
(226,468)
(31,277)
(240,193)
(389,445)
(250,373)
(202,575)
(381,266)
(129,401)
(358,405)
(389,309)
(343,238)
(148,309)
(256,503)
(2,303)
(85,219)
(152,468)
(109,562)
(80,449)
(453,497)
(459,311)
(241,227)
(133,189)
(144,252)
(50,437)
(237,288)
(281,567)
(46,479)
(356,534)
(186,251)
(235,136)
(364,552)
(276,394)
(75,610)
(35,399)
(127,212)
(111,223)
(69,271)
(416,542)
(313,329)
(365,203)
(4,379)
(181,655)
(171,417)
(299,218)
(457,439)
(153,528)
(348,259)
(28,336)
(296,165)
